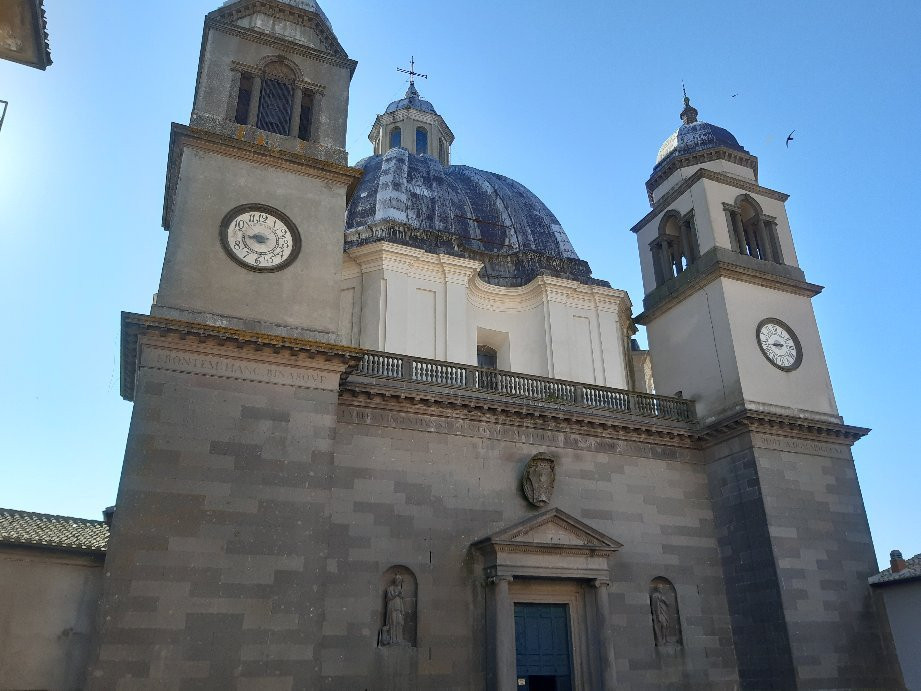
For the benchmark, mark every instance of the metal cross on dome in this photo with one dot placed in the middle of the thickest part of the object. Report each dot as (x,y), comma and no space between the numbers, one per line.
(412,70)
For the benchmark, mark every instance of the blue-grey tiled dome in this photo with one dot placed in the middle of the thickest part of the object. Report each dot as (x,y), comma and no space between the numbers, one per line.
(490,212)
(466,211)
(411,100)
(694,136)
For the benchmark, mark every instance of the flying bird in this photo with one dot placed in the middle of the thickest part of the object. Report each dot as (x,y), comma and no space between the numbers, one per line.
(790,138)
(734,95)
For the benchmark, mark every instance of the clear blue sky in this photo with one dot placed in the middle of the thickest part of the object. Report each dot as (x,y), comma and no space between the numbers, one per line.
(572,99)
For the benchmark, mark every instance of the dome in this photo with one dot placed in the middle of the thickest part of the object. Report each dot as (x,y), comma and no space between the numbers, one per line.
(463,210)
(411,100)
(694,136)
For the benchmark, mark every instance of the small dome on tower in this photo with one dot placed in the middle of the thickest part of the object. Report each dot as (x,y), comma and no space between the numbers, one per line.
(694,136)
(411,100)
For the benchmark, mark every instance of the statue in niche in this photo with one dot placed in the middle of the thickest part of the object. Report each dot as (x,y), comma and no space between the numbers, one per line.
(399,597)
(538,479)
(663,605)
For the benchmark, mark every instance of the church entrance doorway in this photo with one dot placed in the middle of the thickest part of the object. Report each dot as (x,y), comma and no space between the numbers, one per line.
(543,646)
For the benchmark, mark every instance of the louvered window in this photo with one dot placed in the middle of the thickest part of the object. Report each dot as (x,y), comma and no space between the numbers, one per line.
(275,104)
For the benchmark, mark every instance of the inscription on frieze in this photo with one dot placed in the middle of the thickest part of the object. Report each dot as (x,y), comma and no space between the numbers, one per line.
(231,368)
(512,433)
(804,446)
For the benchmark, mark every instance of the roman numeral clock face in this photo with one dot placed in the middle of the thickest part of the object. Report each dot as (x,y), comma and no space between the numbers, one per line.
(779,344)
(260,238)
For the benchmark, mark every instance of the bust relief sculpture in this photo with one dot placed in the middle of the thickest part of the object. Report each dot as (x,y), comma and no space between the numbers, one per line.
(538,479)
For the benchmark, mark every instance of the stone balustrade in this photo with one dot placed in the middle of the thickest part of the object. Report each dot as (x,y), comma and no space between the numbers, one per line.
(541,390)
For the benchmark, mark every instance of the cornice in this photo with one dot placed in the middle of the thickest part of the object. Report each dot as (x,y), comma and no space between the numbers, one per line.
(203,140)
(722,264)
(778,424)
(224,19)
(136,325)
(697,158)
(704,174)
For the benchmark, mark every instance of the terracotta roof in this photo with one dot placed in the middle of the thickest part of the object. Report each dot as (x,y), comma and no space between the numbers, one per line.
(57,532)
(912,570)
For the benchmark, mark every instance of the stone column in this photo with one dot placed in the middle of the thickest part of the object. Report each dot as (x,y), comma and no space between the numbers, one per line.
(686,243)
(774,241)
(656,262)
(296,111)
(764,242)
(500,653)
(254,101)
(665,259)
(739,231)
(605,635)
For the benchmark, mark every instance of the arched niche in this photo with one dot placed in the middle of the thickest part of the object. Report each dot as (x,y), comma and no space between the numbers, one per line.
(663,608)
(398,588)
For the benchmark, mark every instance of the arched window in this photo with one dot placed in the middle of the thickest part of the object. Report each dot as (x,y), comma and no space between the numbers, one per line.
(675,248)
(487,357)
(752,232)
(272,100)
(396,137)
(422,140)
(276,99)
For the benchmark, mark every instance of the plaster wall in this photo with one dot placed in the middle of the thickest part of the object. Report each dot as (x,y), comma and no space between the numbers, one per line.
(683,173)
(48,606)
(693,352)
(903,602)
(218,83)
(807,389)
(198,275)
(435,306)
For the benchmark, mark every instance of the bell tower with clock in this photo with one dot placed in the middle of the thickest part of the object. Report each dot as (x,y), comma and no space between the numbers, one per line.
(730,325)
(257,183)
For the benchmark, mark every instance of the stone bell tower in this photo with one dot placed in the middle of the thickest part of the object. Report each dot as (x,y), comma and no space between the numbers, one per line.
(215,569)
(730,324)
(257,183)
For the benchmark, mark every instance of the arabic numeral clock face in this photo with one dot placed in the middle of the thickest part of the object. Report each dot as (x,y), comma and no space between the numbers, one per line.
(779,344)
(260,238)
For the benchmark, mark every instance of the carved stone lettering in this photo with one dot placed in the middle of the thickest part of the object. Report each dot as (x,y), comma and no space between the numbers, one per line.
(213,365)
(804,446)
(504,432)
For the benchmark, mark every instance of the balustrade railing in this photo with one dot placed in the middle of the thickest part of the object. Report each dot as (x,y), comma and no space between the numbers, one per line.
(525,386)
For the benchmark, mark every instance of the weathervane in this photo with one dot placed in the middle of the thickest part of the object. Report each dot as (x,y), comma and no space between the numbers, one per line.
(412,71)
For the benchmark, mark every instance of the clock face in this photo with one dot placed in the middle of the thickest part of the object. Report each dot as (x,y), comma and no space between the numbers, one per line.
(779,344)
(260,238)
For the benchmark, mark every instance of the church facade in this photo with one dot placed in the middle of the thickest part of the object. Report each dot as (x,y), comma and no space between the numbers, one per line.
(389,431)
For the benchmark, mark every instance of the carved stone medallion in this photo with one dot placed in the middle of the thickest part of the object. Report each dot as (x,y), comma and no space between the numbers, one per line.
(538,479)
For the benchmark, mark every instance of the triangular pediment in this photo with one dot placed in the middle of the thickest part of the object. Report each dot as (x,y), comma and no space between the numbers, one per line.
(552,528)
